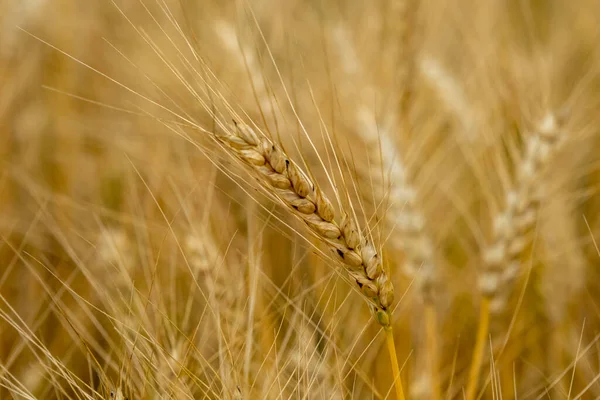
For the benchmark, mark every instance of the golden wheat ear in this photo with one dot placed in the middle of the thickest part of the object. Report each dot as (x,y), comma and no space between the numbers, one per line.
(284,180)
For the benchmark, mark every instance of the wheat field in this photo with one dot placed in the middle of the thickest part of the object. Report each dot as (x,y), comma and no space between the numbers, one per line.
(299,199)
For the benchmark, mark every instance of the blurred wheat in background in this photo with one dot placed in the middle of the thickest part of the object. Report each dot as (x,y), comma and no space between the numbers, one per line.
(260,199)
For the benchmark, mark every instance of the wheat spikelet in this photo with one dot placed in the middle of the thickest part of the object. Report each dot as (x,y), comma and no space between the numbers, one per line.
(284,180)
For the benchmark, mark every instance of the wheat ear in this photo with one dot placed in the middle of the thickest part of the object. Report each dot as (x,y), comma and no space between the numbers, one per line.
(501,260)
(247,61)
(453,95)
(284,180)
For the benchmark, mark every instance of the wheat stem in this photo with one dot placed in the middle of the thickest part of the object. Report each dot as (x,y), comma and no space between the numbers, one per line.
(389,336)
(482,333)
(431,330)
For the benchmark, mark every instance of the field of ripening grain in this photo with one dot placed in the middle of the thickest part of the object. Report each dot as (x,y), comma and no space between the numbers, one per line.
(299,199)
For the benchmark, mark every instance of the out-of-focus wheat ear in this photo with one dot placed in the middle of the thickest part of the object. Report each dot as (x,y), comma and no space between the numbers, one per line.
(171,374)
(34,378)
(247,61)
(452,94)
(310,362)
(512,227)
(222,296)
(112,275)
(113,270)
(402,216)
(512,233)
(284,180)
